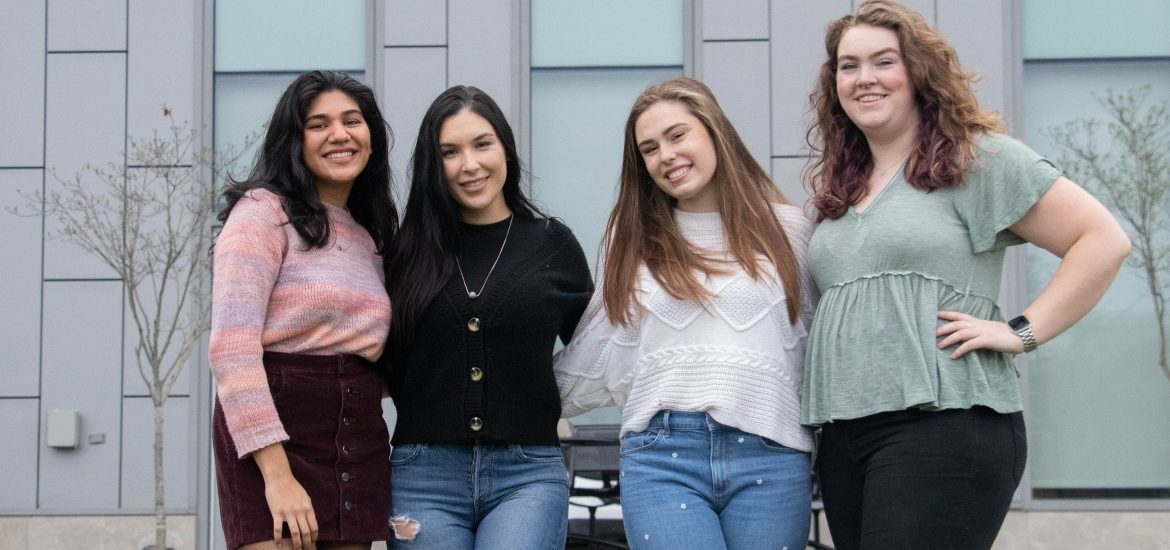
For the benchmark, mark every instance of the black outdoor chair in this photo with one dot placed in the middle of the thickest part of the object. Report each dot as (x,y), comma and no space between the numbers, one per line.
(591,452)
(817,508)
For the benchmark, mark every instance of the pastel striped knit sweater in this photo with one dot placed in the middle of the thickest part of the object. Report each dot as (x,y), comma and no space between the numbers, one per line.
(739,360)
(273,293)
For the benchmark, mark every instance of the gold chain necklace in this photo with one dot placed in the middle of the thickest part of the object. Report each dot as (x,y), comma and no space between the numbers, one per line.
(476,294)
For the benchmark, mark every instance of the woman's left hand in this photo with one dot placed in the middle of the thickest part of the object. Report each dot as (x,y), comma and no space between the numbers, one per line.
(973,333)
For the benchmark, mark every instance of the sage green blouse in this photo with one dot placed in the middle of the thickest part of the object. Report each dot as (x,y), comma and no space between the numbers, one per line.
(886,272)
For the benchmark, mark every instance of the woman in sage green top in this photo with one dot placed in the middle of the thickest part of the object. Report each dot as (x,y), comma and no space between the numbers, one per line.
(909,368)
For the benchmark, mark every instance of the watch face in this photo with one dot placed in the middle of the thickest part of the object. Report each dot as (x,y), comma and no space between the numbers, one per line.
(1018,323)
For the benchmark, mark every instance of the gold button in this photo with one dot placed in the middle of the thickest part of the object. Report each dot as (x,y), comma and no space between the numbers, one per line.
(476,374)
(473,324)
(476,423)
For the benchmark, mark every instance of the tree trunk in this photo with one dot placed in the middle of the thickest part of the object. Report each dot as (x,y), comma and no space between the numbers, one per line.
(1149,263)
(1160,312)
(160,511)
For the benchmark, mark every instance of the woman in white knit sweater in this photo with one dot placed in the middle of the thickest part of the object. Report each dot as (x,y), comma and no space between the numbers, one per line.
(698,334)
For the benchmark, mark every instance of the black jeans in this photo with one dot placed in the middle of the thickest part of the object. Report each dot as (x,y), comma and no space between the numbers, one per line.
(920,480)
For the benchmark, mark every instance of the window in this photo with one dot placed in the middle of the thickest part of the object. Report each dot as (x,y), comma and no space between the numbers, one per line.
(607,33)
(589,62)
(1096,394)
(262,45)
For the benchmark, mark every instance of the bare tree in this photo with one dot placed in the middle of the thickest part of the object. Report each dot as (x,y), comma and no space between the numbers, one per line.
(1125,162)
(150,220)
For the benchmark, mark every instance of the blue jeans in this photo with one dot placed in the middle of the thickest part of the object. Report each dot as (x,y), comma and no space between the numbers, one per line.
(482,496)
(690,482)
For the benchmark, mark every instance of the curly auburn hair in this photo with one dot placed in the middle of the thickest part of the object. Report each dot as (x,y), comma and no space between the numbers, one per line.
(949,114)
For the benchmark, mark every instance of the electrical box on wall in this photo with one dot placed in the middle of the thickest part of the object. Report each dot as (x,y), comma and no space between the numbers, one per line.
(63,429)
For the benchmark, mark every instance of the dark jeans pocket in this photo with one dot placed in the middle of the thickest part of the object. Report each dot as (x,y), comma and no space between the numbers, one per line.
(403,454)
(540,453)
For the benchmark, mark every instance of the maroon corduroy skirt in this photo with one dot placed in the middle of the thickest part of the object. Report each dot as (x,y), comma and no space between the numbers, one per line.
(338,449)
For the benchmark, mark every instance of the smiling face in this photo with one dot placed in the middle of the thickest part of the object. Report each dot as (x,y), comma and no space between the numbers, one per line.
(475,167)
(873,85)
(679,155)
(336,145)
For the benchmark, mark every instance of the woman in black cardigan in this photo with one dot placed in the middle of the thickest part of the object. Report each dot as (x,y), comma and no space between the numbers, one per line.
(482,285)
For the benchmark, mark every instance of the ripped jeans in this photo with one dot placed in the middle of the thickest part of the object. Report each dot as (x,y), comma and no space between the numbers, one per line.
(481,496)
(690,482)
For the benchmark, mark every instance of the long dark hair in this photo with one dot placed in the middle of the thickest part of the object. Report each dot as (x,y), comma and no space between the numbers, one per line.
(949,116)
(422,257)
(280,166)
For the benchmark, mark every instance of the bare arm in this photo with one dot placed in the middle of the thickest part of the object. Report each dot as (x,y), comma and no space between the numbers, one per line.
(287,500)
(1074,226)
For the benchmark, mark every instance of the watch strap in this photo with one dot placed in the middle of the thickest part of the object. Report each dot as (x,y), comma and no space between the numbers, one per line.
(1023,328)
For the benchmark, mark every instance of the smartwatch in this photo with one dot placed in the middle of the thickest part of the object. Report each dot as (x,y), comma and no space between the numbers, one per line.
(1023,328)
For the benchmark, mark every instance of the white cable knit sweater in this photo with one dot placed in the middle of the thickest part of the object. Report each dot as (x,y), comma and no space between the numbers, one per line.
(739,360)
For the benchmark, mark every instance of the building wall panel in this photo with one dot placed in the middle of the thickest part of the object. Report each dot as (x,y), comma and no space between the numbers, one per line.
(85,124)
(22,57)
(18,430)
(87,25)
(735,19)
(160,66)
(727,69)
(981,34)
(415,23)
(786,174)
(83,371)
(412,78)
(21,289)
(481,37)
(797,46)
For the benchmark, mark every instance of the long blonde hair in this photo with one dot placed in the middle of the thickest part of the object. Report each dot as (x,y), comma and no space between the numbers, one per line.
(642,228)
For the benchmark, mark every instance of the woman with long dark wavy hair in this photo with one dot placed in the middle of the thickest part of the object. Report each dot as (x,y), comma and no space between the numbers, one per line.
(299,313)
(698,334)
(909,370)
(483,284)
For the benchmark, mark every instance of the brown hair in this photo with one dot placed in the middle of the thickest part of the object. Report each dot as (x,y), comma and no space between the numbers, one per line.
(949,115)
(641,228)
